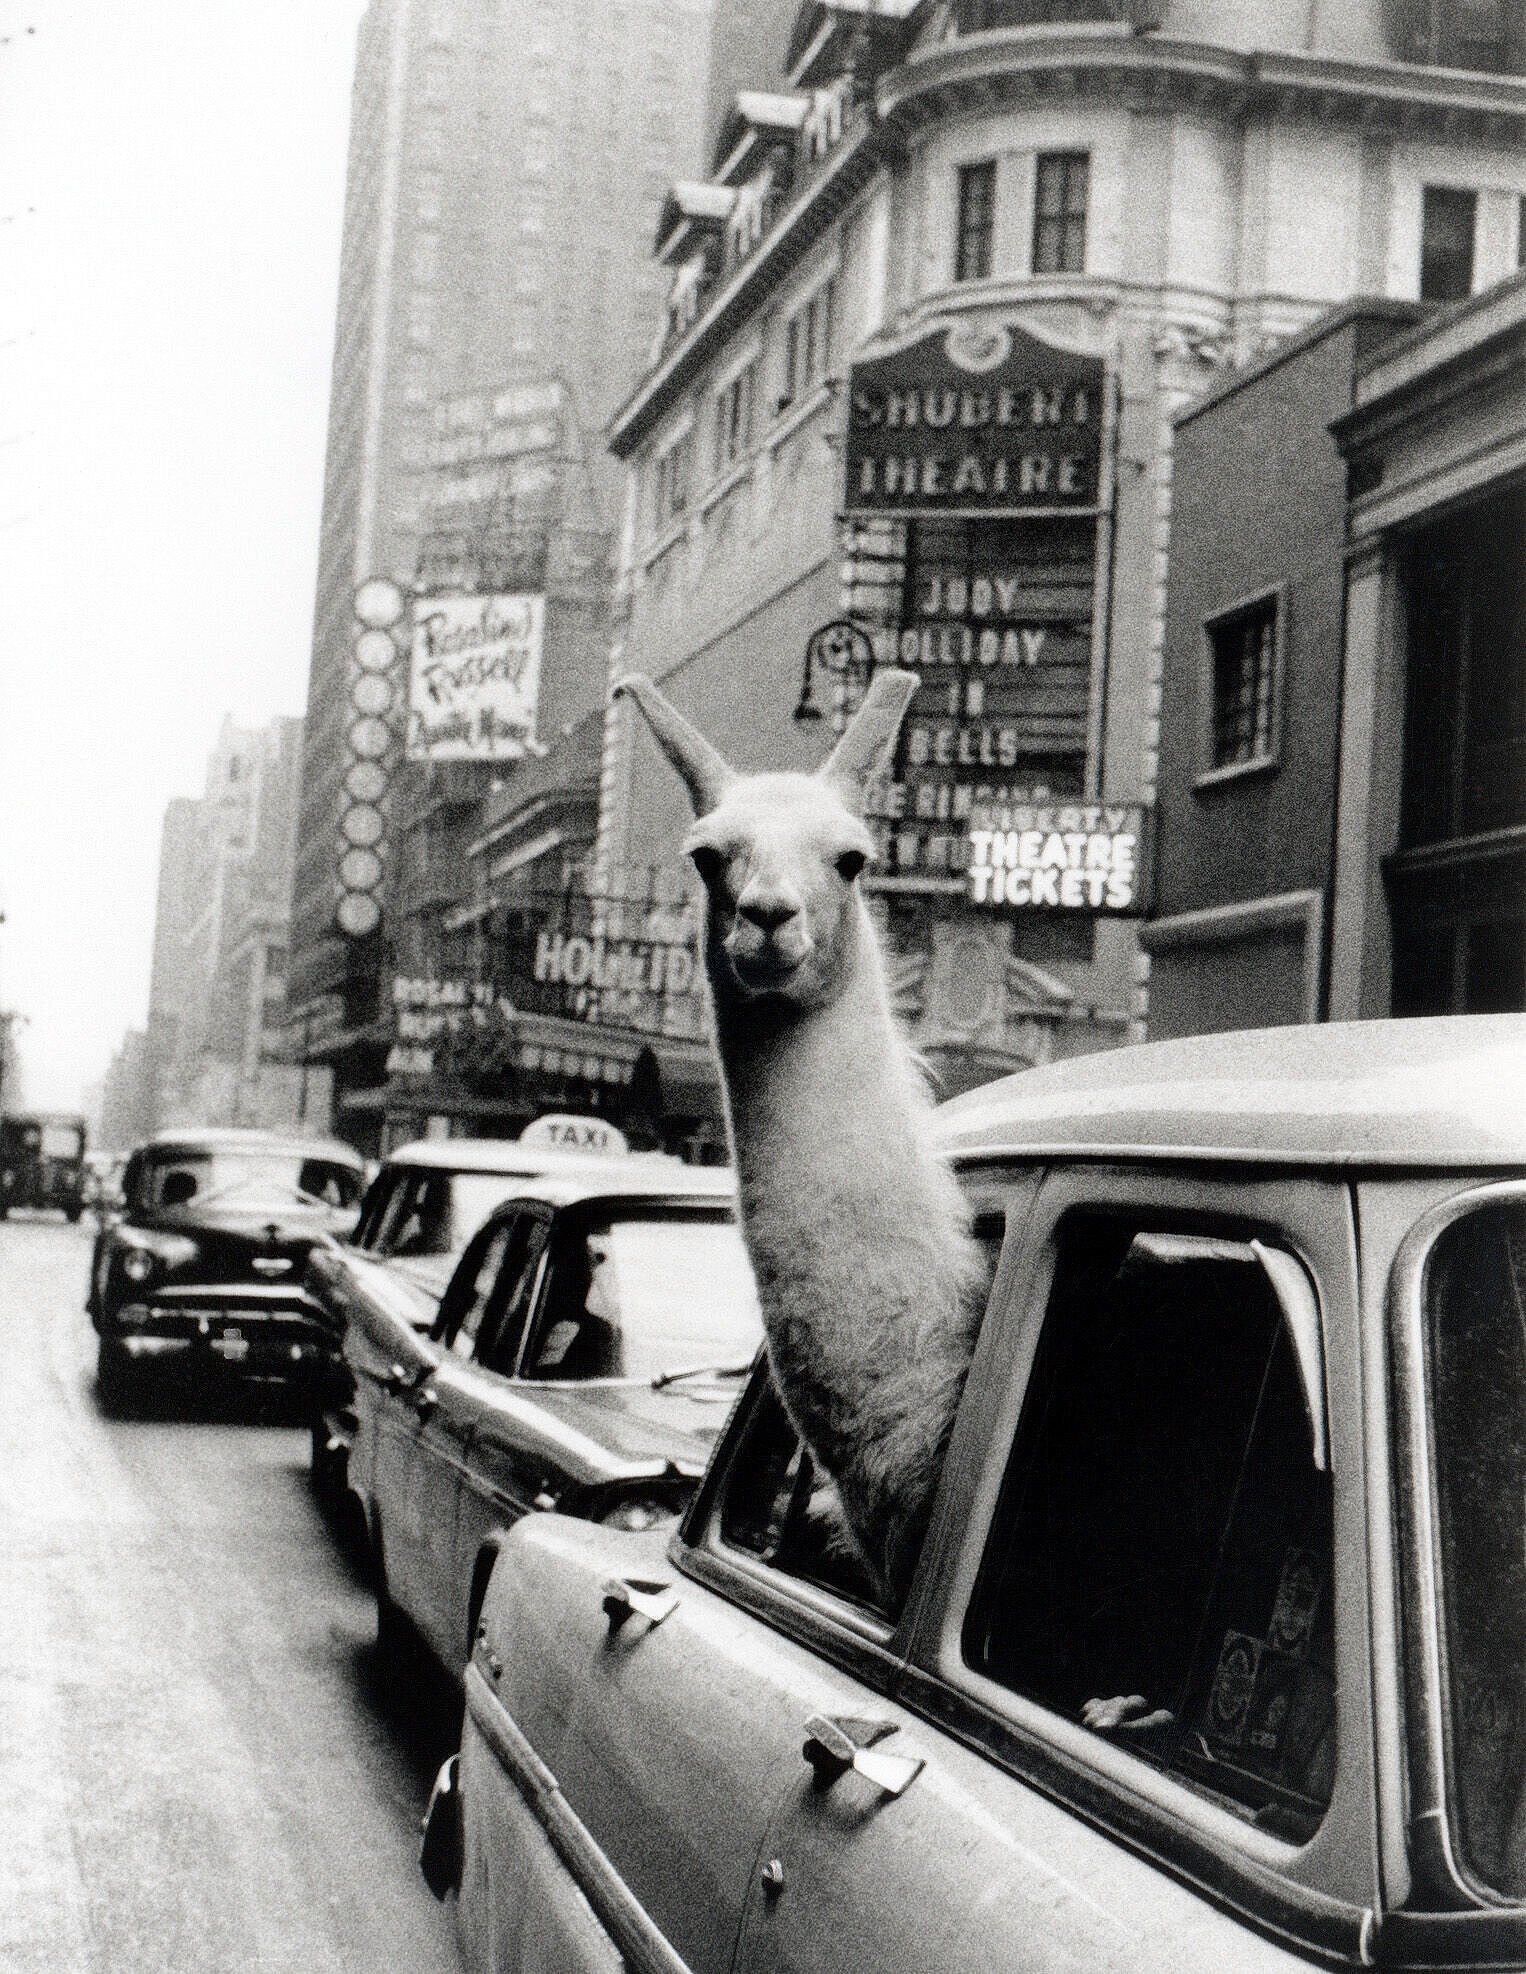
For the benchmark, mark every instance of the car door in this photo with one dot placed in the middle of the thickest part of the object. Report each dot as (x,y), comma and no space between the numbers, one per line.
(1137,1684)
(674,1738)
(426,1425)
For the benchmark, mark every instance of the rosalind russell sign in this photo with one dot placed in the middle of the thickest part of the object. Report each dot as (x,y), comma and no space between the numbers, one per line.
(975,420)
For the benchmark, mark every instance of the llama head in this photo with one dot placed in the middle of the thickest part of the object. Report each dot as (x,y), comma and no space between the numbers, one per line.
(780,854)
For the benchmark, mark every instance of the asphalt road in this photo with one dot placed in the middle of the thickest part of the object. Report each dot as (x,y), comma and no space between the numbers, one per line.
(198,1770)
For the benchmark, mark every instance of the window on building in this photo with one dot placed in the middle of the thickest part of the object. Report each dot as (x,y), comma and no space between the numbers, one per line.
(807,345)
(1061,187)
(1160,1563)
(733,418)
(1447,224)
(975,226)
(1244,652)
(1520,235)
(670,486)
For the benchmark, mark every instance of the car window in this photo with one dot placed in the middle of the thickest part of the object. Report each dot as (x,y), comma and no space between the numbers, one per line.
(335,1185)
(462,1313)
(1160,1563)
(779,1509)
(1475,1317)
(776,1508)
(419,1221)
(644,1294)
(374,1209)
(499,1341)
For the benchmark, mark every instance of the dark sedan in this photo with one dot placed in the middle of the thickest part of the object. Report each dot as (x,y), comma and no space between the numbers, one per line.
(204,1268)
(583,1357)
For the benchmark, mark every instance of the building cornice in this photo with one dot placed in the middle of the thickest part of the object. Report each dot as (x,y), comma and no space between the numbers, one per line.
(796,230)
(1108,62)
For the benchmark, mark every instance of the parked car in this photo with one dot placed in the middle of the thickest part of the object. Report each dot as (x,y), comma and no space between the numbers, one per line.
(583,1357)
(1215,1654)
(424,1204)
(203,1268)
(42,1162)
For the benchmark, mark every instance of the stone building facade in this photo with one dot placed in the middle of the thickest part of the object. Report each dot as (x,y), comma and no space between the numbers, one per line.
(958,266)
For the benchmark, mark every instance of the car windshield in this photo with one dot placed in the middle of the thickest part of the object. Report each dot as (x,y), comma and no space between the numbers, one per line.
(1475,1310)
(670,1294)
(189,1180)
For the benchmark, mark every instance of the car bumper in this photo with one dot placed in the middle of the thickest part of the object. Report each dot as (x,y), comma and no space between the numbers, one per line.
(273,1334)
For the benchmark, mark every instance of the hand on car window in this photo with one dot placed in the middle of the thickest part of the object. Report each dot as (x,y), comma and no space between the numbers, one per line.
(1125,1713)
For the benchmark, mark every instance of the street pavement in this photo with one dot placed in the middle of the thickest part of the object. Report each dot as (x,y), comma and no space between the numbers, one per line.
(199,1772)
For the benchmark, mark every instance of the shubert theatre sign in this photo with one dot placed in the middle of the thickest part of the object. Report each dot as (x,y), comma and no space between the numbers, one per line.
(971,420)
(985,444)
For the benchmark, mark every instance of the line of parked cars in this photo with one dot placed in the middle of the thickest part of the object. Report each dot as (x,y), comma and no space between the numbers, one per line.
(1215,1652)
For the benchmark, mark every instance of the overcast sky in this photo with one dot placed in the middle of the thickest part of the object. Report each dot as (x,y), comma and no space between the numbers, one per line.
(171,183)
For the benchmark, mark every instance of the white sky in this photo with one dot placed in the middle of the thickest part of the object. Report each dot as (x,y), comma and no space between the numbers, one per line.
(171,183)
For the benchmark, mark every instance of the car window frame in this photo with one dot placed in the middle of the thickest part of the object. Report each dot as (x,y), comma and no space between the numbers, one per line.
(1442,1875)
(869,1645)
(1324,1891)
(508,1321)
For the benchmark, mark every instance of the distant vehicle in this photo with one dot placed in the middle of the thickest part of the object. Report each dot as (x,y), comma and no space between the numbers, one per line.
(420,1210)
(1213,1655)
(204,1267)
(42,1162)
(583,1357)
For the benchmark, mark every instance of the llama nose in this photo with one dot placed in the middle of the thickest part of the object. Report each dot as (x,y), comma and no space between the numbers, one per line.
(768,914)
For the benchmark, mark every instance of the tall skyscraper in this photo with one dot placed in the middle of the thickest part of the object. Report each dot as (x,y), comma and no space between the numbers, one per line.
(508,159)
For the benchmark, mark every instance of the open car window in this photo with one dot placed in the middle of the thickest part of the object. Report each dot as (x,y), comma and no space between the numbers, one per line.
(779,1509)
(1159,1567)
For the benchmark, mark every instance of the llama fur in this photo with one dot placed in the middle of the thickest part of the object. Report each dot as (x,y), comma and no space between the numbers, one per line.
(857,1232)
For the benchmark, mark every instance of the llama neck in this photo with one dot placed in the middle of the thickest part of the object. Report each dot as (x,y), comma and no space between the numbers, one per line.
(828,1091)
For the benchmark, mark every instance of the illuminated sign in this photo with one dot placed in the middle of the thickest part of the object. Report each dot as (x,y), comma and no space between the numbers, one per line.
(972,419)
(475,684)
(1070,857)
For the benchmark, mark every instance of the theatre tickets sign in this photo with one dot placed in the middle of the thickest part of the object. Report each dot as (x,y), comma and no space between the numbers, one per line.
(1065,857)
(975,419)
(475,682)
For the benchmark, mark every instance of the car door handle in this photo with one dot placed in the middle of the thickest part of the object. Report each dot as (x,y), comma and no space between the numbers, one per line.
(624,1597)
(834,1744)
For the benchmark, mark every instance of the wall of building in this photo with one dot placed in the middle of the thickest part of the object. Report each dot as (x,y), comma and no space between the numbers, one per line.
(1237,189)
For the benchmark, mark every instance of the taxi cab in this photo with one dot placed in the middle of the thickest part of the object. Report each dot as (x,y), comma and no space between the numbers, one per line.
(1215,1654)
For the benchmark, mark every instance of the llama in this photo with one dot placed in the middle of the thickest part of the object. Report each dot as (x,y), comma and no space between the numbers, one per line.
(857,1232)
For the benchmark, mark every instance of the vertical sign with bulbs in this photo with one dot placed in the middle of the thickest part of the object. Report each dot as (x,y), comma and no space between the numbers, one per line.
(379,608)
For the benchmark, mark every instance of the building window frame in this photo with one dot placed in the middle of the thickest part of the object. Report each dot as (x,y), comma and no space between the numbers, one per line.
(734,411)
(807,355)
(1441,260)
(1061,207)
(1234,704)
(672,479)
(975,220)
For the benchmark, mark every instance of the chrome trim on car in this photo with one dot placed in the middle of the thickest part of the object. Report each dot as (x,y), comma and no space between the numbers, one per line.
(645,1948)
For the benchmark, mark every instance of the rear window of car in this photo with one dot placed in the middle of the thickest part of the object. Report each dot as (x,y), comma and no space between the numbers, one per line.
(646,1297)
(435,1212)
(1475,1326)
(189,1180)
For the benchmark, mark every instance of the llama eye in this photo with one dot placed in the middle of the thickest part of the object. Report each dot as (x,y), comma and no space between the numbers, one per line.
(849,864)
(710,864)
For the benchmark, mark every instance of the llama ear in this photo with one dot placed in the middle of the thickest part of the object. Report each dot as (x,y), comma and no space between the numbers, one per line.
(703,771)
(866,743)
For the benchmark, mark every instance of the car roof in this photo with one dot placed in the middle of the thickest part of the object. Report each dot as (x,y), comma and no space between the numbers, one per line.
(1441,1091)
(665,1181)
(232,1139)
(509,1156)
